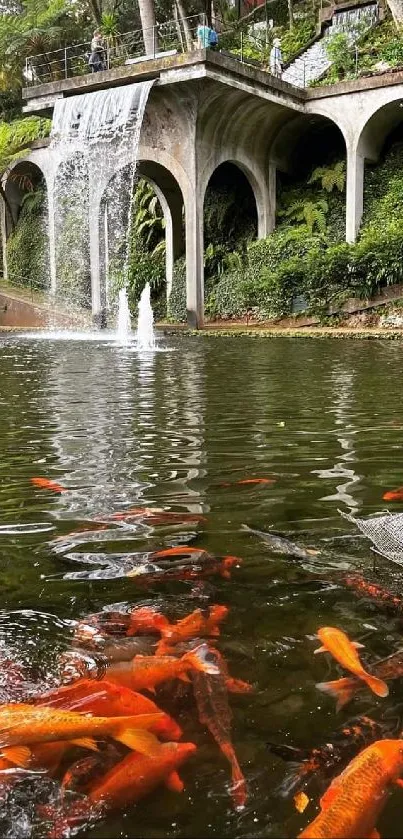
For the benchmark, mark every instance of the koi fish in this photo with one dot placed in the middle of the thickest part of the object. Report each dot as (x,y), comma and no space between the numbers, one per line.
(131,779)
(324,760)
(343,690)
(22,725)
(382,596)
(214,712)
(394,495)
(82,773)
(186,571)
(104,699)
(146,672)
(249,482)
(344,651)
(201,622)
(352,804)
(279,545)
(154,515)
(178,550)
(145,619)
(45,483)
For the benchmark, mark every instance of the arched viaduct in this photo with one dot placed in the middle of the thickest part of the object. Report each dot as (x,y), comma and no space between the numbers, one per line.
(205,109)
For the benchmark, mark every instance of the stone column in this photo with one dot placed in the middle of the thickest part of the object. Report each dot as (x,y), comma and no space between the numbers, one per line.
(52,235)
(354,193)
(266,212)
(171,204)
(194,260)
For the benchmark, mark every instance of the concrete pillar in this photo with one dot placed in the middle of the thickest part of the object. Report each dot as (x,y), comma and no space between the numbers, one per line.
(266,207)
(95,261)
(354,193)
(52,236)
(194,260)
(171,204)
(4,239)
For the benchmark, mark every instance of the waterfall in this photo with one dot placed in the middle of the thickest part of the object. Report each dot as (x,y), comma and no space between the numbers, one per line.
(94,139)
(354,20)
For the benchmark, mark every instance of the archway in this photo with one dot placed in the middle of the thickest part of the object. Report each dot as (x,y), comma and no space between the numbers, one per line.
(309,153)
(24,234)
(151,203)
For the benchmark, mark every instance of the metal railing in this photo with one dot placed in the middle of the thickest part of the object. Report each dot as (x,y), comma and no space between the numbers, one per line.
(174,36)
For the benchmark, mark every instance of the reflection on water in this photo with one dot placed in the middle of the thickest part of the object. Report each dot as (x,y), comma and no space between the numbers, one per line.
(176,431)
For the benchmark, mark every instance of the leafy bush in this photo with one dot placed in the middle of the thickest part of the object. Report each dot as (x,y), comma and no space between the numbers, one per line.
(340,54)
(176,309)
(27,246)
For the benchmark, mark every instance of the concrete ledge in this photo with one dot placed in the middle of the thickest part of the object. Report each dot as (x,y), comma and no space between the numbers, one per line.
(388,79)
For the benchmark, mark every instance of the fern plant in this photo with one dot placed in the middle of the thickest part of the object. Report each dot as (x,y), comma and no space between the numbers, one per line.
(310,213)
(330,177)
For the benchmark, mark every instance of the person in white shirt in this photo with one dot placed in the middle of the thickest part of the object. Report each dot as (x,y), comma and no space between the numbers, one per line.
(97,58)
(276,59)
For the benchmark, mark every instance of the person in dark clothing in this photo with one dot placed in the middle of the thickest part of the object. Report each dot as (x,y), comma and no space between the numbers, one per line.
(97,60)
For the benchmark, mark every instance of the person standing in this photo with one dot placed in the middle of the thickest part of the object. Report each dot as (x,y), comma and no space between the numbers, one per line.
(276,59)
(97,58)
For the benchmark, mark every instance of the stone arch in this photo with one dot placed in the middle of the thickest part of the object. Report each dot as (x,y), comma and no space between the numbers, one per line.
(286,146)
(170,196)
(241,163)
(374,132)
(20,178)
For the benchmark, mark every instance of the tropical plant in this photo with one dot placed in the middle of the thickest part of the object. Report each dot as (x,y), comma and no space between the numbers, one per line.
(340,54)
(330,177)
(148,221)
(15,138)
(311,213)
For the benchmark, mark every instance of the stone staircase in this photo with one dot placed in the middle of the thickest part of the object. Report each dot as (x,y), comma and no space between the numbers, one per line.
(314,62)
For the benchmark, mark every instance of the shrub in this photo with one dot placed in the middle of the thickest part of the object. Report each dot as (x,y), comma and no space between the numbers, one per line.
(176,309)
(27,247)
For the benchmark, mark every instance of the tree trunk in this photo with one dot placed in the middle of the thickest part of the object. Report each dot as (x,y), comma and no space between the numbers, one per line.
(147,15)
(291,14)
(177,26)
(396,7)
(96,11)
(185,24)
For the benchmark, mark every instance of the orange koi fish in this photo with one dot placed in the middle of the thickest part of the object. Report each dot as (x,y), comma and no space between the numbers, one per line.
(146,672)
(249,482)
(344,651)
(201,622)
(322,762)
(352,804)
(45,483)
(82,773)
(394,495)
(104,699)
(214,712)
(343,690)
(22,725)
(382,597)
(179,550)
(131,779)
(145,619)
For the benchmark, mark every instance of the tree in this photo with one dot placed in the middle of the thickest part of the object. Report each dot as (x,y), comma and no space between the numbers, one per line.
(291,14)
(147,15)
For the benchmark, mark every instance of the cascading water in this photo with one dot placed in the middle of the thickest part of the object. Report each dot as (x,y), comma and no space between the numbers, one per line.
(124,325)
(94,136)
(145,338)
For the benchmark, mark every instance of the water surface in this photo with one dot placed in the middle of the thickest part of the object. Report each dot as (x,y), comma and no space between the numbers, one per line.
(322,418)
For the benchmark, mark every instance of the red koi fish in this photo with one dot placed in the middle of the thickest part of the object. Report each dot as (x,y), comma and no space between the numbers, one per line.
(214,712)
(154,515)
(129,781)
(45,483)
(105,699)
(179,550)
(382,597)
(200,623)
(394,495)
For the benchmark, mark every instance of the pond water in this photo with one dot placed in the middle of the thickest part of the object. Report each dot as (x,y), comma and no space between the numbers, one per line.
(323,419)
